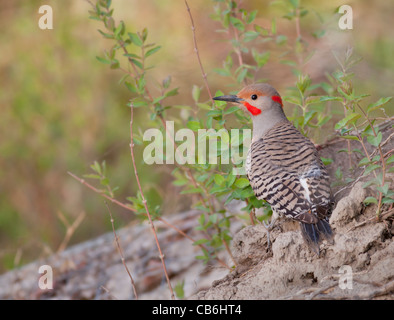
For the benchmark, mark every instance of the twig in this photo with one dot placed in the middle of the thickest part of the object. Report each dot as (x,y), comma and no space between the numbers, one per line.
(381,159)
(109,293)
(349,185)
(113,200)
(121,252)
(204,75)
(145,203)
(238,51)
(383,216)
(70,229)
(322,290)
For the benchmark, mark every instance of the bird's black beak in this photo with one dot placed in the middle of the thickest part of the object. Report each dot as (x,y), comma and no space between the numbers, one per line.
(230,98)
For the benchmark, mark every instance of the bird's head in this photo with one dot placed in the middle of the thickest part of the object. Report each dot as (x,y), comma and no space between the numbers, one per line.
(255,98)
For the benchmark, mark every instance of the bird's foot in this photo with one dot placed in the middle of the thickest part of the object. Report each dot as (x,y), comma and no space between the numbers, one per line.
(268,228)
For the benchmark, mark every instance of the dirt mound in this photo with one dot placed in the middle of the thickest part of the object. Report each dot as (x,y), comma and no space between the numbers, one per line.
(358,265)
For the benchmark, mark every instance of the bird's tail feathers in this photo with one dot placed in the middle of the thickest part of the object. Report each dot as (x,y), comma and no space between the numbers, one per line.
(315,233)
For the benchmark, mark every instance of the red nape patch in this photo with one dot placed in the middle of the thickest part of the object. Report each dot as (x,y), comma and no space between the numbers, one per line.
(253,110)
(277,99)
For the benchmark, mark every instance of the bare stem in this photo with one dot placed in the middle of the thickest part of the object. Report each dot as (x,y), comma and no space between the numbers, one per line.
(381,159)
(70,229)
(121,253)
(113,200)
(204,75)
(161,255)
(238,50)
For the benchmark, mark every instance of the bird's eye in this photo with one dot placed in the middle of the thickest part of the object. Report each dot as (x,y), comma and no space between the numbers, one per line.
(253,96)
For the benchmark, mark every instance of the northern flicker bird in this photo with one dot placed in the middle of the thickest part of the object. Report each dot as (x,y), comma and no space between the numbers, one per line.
(283,166)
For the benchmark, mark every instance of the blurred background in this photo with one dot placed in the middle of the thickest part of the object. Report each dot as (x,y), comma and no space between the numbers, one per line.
(61,109)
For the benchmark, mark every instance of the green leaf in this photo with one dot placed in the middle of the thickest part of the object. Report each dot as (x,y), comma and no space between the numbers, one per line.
(379,103)
(312,100)
(222,72)
(293,100)
(194,125)
(219,179)
(179,289)
(200,241)
(370,200)
(330,98)
(290,63)
(214,113)
(152,51)
(137,63)
(386,200)
(241,183)
(241,76)
(114,64)
(364,161)
(180,182)
(230,180)
(390,159)
(102,60)
(260,58)
(201,219)
(135,39)
(281,40)
(120,29)
(349,137)
(204,106)
(96,167)
(295,3)
(132,55)
(261,30)
(167,82)
(384,189)
(370,168)
(213,218)
(273,26)
(172,92)
(319,33)
(251,17)
(237,23)
(375,141)
(303,83)
(352,117)
(106,35)
(231,110)
(326,161)
(196,93)
(250,35)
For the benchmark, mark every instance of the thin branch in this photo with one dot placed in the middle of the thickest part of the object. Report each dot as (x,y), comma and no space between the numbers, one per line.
(113,200)
(145,202)
(381,159)
(70,229)
(121,252)
(384,216)
(237,49)
(349,185)
(204,75)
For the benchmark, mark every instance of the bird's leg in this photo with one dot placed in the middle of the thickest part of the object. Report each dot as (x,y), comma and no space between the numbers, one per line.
(269,227)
